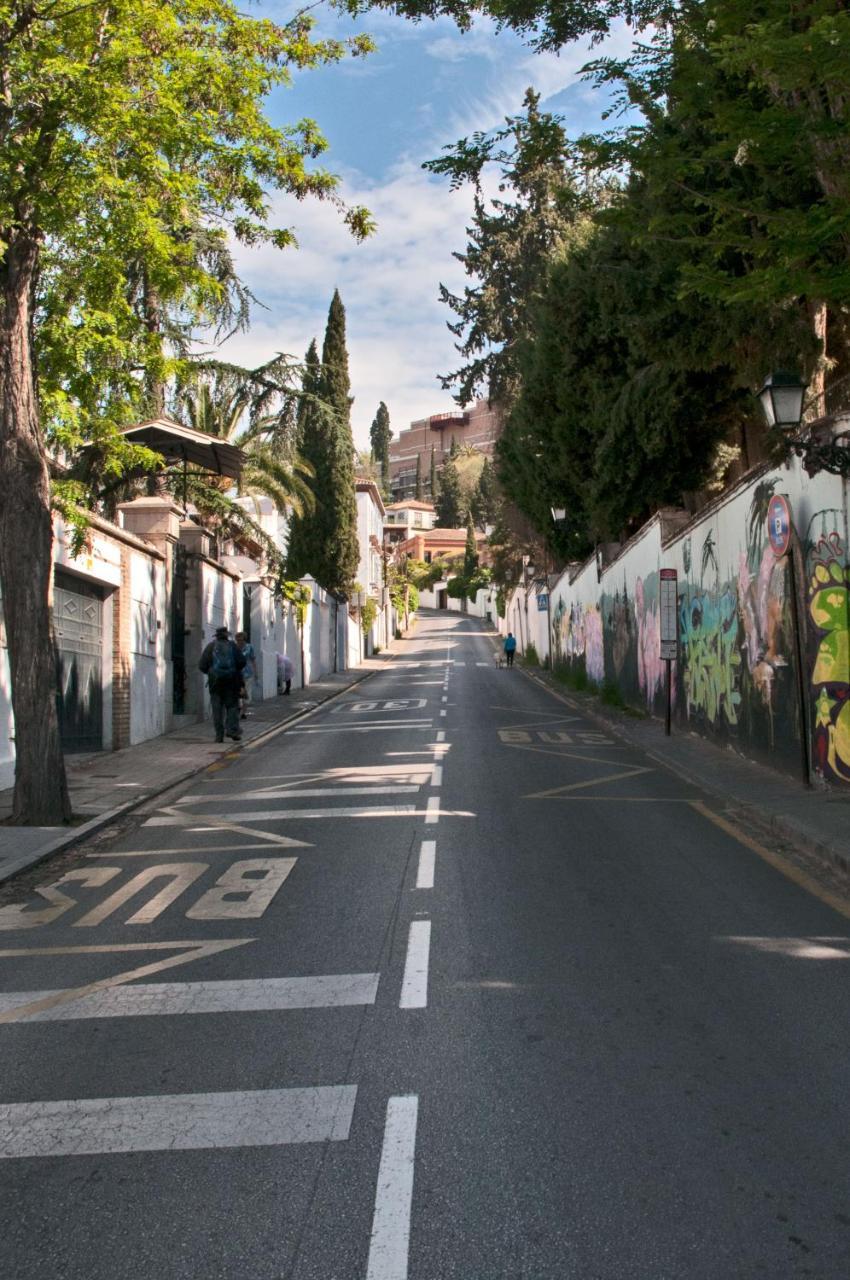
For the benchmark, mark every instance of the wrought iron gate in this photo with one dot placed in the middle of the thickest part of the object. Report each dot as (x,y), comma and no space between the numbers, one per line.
(78,622)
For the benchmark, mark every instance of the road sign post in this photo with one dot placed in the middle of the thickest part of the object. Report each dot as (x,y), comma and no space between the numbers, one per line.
(668,611)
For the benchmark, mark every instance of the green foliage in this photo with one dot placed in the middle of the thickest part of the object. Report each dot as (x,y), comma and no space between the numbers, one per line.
(547,24)
(299,595)
(530,658)
(433,475)
(449,504)
(368,614)
(135,147)
(418,492)
(323,541)
(485,502)
(511,240)
(380,436)
(470,553)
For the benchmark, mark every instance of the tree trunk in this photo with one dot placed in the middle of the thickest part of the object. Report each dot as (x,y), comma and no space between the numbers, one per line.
(26,565)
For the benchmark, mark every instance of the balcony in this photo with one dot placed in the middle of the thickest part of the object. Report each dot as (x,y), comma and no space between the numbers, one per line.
(439,421)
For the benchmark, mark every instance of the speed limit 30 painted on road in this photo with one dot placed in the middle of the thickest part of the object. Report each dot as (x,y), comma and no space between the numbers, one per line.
(779,524)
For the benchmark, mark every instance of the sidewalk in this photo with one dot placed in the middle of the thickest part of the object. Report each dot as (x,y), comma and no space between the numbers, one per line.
(107,784)
(816,820)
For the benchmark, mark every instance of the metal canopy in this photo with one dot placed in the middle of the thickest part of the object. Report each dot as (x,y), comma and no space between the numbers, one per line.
(182,444)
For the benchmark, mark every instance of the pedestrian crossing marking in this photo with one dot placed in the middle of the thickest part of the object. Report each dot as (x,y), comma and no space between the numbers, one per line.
(176,1122)
(189,951)
(158,999)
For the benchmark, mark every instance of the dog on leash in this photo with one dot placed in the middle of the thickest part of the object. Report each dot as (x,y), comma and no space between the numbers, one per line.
(498,658)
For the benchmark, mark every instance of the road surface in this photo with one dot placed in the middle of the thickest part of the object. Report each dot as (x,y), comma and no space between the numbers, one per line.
(445,981)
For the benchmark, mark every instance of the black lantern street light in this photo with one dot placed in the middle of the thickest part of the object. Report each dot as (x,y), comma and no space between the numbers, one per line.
(559,514)
(783,402)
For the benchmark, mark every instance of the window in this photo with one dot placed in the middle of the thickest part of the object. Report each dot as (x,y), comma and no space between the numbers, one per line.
(427,557)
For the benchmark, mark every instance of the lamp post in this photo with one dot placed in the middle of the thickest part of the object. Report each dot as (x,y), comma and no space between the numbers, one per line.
(783,402)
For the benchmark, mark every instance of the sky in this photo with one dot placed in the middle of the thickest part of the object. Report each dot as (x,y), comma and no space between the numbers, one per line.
(384,115)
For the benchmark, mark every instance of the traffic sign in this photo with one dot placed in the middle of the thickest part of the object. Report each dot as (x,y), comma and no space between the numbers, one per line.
(779,524)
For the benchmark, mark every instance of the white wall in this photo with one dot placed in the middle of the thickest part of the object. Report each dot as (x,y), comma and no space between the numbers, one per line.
(148,691)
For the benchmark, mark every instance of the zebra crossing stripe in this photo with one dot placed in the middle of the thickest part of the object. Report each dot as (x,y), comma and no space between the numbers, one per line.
(164,998)
(176,1122)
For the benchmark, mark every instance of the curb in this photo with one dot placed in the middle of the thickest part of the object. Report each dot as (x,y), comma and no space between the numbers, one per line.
(78,834)
(784,828)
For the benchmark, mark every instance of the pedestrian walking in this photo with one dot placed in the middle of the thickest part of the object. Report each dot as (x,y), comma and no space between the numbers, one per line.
(222,663)
(249,672)
(285,672)
(510,648)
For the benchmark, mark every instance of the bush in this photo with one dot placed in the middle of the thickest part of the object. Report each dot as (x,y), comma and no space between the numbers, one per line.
(530,657)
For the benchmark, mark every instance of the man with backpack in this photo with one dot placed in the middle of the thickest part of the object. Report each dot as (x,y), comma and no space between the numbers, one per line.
(222,664)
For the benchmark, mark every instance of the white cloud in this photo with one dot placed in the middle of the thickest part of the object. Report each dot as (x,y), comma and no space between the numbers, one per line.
(396,326)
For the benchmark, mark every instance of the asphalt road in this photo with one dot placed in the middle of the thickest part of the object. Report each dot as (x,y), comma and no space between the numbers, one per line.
(444,981)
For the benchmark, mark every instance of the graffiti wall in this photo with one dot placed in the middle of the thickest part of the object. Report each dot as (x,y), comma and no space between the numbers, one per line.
(749,674)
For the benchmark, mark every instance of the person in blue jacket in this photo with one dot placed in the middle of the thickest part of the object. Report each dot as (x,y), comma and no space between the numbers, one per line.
(510,648)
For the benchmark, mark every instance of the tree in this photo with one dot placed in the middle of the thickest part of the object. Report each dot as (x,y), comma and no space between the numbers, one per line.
(418,493)
(470,553)
(485,501)
(433,475)
(450,514)
(511,240)
(133,124)
(307,402)
(323,542)
(380,435)
(548,24)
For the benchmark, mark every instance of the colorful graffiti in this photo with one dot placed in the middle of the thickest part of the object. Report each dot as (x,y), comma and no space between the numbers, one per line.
(708,626)
(829,610)
(578,634)
(761,600)
(650,666)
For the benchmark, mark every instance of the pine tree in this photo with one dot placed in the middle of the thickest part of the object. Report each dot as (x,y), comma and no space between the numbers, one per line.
(380,435)
(418,490)
(434,486)
(324,543)
(449,501)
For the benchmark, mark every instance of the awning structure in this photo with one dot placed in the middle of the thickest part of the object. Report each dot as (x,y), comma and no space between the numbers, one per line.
(195,448)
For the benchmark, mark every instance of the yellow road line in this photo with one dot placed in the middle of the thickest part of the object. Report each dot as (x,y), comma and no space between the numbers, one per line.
(775,860)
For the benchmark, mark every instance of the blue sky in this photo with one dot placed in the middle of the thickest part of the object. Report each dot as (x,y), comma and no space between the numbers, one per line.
(425,87)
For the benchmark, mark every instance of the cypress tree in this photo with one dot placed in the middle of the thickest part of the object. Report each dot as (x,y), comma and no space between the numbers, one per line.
(324,543)
(433,475)
(485,504)
(418,491)
(470,552)
(380,434)
(449,502)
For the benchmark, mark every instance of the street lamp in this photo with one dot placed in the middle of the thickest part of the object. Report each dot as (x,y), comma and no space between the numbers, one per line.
(821,449)
(558,514)
(782,401)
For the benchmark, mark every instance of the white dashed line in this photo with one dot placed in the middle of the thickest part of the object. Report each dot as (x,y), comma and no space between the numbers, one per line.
(414,987)
(425,873)
(441,735)
(390,1244)
(432,814)
(437,776)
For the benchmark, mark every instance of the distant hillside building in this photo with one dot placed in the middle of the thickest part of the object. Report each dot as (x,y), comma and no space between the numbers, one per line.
(478,427)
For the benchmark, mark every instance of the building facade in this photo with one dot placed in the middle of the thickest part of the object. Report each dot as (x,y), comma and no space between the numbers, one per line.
(478,427)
